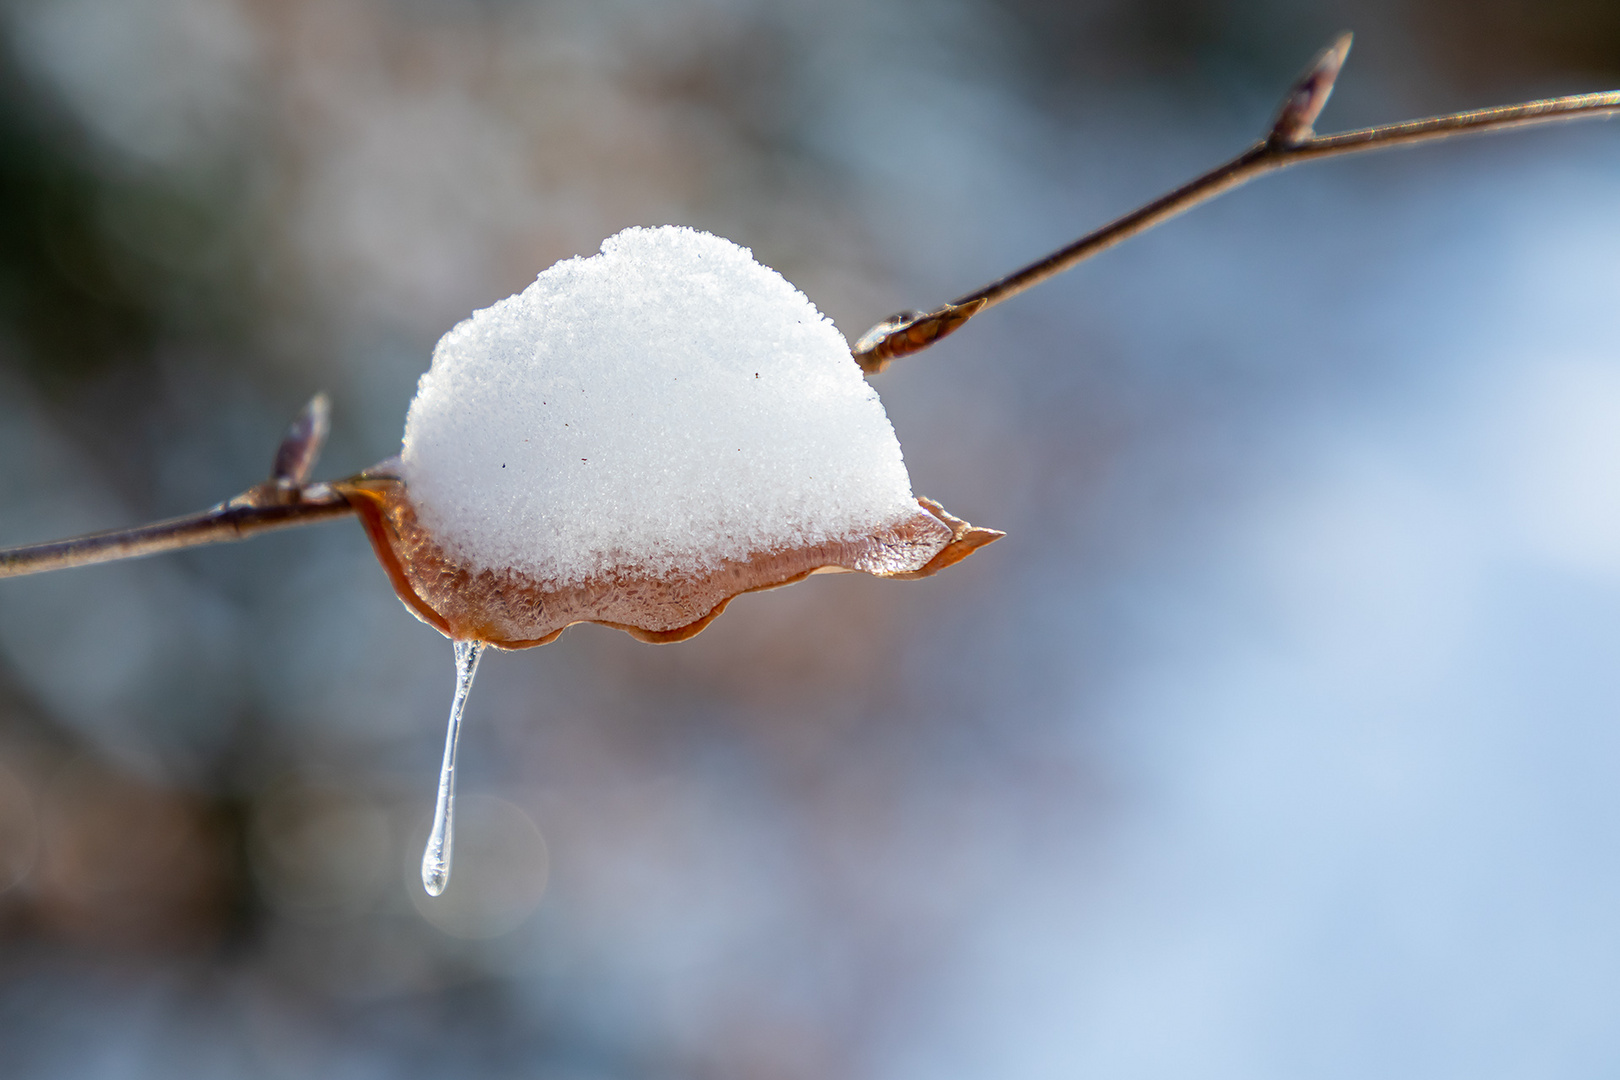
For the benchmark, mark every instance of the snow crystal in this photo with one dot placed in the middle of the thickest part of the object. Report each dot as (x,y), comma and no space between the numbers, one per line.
(657,408)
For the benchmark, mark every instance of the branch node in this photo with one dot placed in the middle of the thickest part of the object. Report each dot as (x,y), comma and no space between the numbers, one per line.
(1296,120)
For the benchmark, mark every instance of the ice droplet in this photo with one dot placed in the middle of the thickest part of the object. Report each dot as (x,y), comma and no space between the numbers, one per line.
(436,857)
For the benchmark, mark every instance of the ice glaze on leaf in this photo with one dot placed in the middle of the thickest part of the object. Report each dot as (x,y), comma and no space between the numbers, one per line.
(633,440)
(513,610)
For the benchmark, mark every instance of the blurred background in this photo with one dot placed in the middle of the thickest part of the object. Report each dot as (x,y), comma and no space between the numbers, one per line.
(1280,737)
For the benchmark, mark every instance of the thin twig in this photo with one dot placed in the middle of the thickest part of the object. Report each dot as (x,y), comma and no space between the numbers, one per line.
(226,522)
(285,500)
(1290,141)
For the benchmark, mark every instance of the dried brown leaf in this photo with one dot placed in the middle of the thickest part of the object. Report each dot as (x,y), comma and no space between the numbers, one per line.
(512,610)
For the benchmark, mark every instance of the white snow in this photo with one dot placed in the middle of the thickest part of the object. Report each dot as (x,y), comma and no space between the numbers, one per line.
(656,408)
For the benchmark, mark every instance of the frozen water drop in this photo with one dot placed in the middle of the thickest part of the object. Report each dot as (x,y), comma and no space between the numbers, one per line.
(436,857)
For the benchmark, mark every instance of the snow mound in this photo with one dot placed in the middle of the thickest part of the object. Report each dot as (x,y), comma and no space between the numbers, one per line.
(656,409)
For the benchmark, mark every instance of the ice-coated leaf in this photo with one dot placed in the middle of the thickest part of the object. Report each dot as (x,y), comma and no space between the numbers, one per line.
(636,438)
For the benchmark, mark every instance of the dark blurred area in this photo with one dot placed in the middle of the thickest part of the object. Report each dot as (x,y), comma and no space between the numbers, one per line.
(857,828)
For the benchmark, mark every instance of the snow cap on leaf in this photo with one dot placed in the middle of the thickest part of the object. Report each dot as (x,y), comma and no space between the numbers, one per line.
(636,438)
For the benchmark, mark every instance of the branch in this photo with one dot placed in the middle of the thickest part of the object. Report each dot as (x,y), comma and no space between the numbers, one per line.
(283,501)
(1292,139)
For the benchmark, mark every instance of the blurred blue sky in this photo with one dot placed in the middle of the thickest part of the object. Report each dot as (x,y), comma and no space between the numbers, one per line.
(1278,738)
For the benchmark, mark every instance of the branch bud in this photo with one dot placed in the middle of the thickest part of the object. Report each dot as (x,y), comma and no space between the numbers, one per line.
(1296,119)
(302,444)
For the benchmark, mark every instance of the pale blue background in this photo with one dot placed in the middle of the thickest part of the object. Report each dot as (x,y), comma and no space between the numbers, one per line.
(1279,738)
